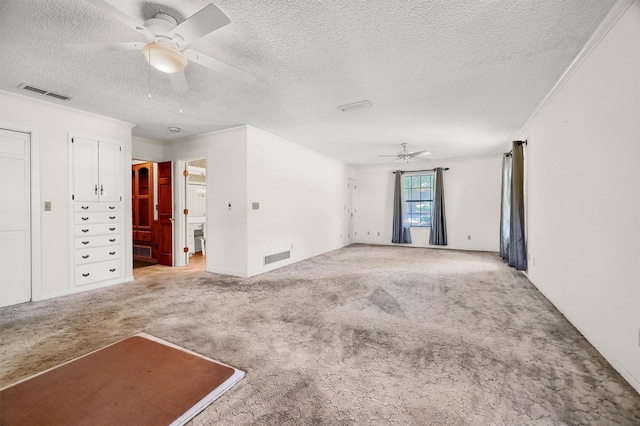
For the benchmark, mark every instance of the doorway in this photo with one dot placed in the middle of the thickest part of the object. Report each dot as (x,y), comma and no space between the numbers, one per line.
(15,217)
(195,208)
(152,213)
(351,210)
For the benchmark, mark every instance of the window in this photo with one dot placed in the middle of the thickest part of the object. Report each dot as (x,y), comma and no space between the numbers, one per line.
(418,192)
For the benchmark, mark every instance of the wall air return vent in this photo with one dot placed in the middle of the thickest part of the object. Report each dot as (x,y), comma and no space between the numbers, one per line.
(142,251)
(277,257)
(44,92)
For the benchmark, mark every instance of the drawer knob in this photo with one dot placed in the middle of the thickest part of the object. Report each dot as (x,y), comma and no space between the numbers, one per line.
(85,242)
(112,217)
(85,230)
(85,207)
(112,229)
(86,274)
(85,218)
(112,270)
(111,240)
(112,253)
(112,207)
(86,256)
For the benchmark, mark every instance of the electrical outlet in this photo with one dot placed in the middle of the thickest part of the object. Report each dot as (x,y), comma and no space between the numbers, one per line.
(378,234)
(368,233)
(468,237)
(47,206)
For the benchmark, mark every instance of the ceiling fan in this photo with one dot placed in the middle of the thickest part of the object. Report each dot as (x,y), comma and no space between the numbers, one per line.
(166,49)
(406,155)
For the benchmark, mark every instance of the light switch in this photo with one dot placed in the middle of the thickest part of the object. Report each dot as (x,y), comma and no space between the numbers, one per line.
(47,206)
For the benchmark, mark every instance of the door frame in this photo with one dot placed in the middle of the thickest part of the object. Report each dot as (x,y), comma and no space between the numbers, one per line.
(36,218)
(351,210)
(180,258)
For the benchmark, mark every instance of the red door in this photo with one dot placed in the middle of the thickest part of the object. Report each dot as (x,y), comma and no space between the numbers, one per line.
(165,214)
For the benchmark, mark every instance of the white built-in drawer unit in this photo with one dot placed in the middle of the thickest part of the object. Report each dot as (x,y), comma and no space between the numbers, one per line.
(98,231)
(95,272)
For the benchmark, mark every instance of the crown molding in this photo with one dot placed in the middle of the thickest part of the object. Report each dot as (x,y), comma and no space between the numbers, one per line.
(614,15)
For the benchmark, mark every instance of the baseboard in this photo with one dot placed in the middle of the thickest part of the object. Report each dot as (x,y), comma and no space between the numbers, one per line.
(288,262)
(227,272)
(633,381)
(448,247)
(74,290)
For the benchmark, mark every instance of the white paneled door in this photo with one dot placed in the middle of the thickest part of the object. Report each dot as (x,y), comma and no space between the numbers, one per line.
(15,217)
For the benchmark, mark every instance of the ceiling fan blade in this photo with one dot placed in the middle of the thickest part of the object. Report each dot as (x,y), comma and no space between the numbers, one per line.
(219,66)
(122,17)
(425,152)
(178,82)
(105,47)
(385,155)
(207,20)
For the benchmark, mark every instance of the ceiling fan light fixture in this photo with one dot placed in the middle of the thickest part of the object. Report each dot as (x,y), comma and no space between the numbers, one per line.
(164,58)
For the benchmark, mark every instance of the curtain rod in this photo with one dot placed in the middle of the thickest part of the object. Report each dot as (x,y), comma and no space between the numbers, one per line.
(428,170)
(524,142)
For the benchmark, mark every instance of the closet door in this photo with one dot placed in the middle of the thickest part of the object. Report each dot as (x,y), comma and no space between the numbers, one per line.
(15,218)
(85,170)
(110,171)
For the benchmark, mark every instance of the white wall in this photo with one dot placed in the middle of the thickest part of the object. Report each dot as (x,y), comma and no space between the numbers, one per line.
(302,195)
(51,125)
(226,155)
(147,150)
(583,179)
(472,203)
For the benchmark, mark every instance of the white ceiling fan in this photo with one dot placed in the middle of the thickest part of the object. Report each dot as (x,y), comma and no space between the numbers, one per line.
(406,155)
(166,49)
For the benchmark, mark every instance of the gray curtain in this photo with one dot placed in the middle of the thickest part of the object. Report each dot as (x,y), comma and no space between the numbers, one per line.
(400,234)
(438,235)
(505,209)
(517,243)
(513,246)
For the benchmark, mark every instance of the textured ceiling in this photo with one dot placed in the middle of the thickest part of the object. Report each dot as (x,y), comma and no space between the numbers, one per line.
(458,78)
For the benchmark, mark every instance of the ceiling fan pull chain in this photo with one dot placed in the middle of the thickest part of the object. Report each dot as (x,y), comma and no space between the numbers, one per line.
(149,71)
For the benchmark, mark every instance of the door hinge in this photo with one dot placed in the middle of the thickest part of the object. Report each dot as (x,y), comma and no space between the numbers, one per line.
(185,211)
(73,197)
(71,140)
(121,198)
(185,173)
(186,249)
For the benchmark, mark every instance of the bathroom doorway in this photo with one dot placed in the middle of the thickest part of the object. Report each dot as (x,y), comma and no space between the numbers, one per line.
(195,202)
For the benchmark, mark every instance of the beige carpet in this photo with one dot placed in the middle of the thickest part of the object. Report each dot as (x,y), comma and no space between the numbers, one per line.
(363,335)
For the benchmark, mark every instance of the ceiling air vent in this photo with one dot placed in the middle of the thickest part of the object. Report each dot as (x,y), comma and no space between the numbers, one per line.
(354,106)
(44,92)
